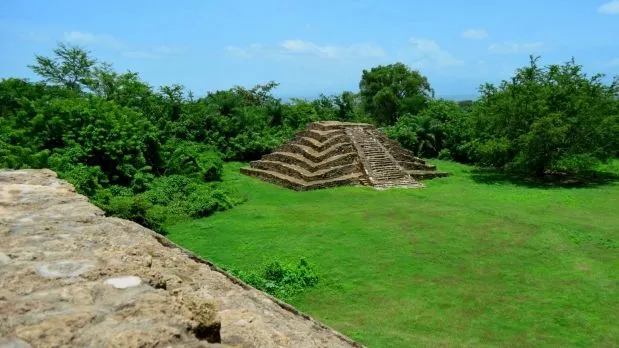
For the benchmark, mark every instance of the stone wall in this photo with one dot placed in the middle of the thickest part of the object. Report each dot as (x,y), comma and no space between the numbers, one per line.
(69,276)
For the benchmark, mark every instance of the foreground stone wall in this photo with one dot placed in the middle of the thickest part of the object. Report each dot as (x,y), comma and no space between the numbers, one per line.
(69,276)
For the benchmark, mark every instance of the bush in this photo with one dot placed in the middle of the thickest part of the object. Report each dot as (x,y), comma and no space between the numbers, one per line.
(205,200)
(108,136)
(281,280)
(168,200)
(442,125)
(166,189)
(130,208)
(190,158)
(445,154)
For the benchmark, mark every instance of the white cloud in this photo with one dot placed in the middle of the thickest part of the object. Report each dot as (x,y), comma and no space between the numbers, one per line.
(512,47)
(474,34)
(429,53)
(85,38)
(291,48)
(332,51)
(611,7)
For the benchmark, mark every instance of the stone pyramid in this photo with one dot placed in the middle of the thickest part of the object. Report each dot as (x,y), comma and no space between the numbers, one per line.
(330,153)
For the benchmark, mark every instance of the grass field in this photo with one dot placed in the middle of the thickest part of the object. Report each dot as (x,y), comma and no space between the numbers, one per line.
(471,260)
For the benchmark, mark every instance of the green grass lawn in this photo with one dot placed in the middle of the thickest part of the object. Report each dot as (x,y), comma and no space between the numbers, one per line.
(470,260)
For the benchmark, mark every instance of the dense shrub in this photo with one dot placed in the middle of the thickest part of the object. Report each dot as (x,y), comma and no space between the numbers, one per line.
(281,280)
(439,128)
(168,200)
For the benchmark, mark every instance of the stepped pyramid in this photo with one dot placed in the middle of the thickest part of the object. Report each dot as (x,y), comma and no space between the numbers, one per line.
(330,153)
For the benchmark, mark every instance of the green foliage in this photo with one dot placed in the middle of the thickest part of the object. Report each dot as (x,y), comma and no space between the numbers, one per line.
(86,179)
(170,188)
(206,200)
(103,132)
(300,113)
(109,136)
(191,158)
(440,126)
(167,200)
(554,118)
(390,91)
(283,281)
(130,208)
(71,67)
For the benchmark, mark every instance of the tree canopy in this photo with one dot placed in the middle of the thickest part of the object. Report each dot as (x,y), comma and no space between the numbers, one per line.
(390,91)
(546,118)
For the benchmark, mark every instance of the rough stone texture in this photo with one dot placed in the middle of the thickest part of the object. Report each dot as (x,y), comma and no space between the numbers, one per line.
(331,153)
(69,276)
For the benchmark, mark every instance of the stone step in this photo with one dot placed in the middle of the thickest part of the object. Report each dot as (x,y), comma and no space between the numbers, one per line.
(301,173)
(416,166)
(316,156)
(309,165)
(382,167)
(298,184)
(321,136)
(388,186)
(426,174)
(321,145)
(391,173)
(329,125)
(378,178)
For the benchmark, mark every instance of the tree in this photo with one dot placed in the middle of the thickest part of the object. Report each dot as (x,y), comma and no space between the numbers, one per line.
(439,127)
(71,67)
(552,118)
(387,92)
(346,105)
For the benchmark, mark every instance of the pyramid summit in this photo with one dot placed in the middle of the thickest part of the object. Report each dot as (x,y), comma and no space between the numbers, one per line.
(331,153)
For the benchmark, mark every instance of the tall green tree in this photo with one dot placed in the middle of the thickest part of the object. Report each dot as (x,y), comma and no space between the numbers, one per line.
(71,66)
(546,118)
(390,91)
(439,128)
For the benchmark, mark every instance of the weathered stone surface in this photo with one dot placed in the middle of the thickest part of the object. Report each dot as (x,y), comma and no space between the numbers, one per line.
(69,276)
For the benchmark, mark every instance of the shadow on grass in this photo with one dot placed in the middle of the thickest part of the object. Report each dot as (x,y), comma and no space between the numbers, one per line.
(557,180)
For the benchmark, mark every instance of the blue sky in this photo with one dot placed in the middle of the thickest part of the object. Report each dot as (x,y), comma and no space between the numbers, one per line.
(316,46)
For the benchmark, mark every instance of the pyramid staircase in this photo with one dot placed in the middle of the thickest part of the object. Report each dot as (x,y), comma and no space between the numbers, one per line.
(328,154)
(416,167)
(381,169)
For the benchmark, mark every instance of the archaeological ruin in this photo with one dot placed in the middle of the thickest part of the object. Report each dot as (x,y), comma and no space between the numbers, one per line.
(329,153)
